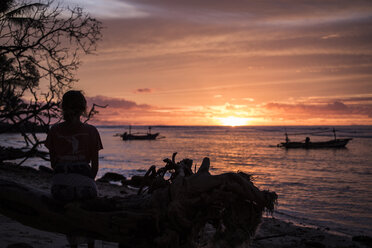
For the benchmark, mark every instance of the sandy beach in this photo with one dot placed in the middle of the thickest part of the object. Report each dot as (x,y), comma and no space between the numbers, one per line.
(272,232)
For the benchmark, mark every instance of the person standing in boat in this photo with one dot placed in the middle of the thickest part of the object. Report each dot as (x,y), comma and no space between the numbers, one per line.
(286,138)
(73,148)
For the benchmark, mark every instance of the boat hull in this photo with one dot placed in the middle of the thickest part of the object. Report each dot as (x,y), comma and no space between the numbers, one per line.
(140,137)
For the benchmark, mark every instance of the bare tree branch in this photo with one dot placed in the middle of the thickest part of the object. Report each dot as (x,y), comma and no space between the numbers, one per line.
(40,48)
(93,111)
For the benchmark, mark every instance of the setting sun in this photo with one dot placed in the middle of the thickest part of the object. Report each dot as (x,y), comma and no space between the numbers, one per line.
(233,121)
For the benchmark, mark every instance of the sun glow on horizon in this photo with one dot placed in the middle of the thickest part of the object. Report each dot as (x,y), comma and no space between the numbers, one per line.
(233,121)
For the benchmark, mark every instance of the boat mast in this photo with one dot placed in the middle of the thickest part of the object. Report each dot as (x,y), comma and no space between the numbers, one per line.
(286,137)
(334,133)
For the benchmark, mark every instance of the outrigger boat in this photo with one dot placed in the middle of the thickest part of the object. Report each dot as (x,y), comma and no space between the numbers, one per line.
(335,143)
(147,136)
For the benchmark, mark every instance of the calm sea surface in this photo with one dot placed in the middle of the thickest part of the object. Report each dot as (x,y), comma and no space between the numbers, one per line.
(326,188)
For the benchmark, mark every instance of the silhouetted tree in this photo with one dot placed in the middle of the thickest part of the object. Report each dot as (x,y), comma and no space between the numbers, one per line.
(40,45)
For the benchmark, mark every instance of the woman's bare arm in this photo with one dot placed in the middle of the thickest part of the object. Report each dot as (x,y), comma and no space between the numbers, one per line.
(52,159)
(95,164)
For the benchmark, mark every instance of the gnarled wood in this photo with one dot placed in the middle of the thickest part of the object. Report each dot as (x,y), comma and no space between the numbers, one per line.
(173,213)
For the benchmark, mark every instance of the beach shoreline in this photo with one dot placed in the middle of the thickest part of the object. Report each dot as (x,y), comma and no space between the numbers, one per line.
(272,232)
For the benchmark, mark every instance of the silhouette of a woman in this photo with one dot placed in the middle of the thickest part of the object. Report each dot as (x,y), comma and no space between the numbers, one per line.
(73,148)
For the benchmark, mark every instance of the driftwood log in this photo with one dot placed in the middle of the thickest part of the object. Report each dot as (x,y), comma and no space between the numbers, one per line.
(185,210)
(10,153)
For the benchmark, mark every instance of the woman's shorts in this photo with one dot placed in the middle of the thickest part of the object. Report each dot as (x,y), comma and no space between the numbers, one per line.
(72,182)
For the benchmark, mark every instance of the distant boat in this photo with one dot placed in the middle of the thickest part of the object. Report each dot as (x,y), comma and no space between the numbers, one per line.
(335,143)
(146,136)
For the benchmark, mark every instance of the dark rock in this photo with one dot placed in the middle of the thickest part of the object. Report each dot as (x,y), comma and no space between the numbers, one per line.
(10,153)
(136,181)
(7,166)
(366,240)
(45,169)
(314,244)
(27,168)
(111,176)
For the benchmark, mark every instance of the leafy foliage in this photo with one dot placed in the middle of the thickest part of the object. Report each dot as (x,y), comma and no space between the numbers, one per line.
(40,48)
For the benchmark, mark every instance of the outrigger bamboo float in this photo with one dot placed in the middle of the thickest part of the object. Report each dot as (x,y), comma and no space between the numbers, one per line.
(190,209)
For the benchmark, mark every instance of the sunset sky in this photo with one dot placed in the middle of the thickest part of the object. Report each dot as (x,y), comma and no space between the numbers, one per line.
(200,62)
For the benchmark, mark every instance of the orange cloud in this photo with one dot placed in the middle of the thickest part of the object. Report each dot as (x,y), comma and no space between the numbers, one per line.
(117,103)
(269,57)
(303,111)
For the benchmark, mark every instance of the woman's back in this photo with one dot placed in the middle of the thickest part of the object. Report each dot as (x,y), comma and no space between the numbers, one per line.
(73,143)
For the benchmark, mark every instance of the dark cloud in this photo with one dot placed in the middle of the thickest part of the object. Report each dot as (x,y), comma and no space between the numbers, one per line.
(254,9)
(360,100)
(322,110)
(117,103)
(123,112)
(156,43)
(357,99)
(323,36)
(143,90)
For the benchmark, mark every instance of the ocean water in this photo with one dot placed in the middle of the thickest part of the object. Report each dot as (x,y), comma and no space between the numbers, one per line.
(327,188)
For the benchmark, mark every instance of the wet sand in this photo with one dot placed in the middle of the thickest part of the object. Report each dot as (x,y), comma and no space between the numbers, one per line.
(272,233)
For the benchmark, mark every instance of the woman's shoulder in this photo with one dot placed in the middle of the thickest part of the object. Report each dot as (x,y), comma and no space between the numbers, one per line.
(89,127)
(56,126)
(62,126)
